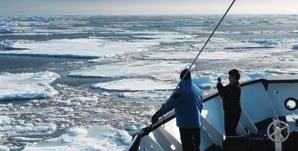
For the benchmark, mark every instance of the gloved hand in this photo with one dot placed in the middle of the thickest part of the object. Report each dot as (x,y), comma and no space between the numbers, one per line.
(155,117)
(146,130)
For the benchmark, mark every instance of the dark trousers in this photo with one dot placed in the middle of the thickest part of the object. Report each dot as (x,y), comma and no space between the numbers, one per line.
(190,139)
(232,118)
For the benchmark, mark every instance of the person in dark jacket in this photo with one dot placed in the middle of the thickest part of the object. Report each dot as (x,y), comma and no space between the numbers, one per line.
(187,102)
(230,95)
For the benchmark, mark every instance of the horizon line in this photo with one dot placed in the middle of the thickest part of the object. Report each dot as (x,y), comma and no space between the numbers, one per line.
(214,14)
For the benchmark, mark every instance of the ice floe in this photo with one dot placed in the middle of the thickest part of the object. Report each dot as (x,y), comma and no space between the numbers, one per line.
(226,55)
(3,148)
(205,82)
(4,120)
(131,128)
(173,55)
(149,112)
(248,45)
(159,37)
(126,69)
(27,85)
(288,58)
(78,100)
(29,129)
(134,85)
(255,75)
(160,90)
(5,29)
(265,42)
(90,47)
(226,43)
(267,73)
(289,71)
(103,138)
(10,45)
(156,95)
(295,46)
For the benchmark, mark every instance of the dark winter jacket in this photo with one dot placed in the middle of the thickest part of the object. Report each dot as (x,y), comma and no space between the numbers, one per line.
(230,95)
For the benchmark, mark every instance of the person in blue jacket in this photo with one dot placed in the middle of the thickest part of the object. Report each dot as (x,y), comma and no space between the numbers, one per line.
(187,102)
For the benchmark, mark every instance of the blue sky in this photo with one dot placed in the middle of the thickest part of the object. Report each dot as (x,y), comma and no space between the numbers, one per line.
(144,7)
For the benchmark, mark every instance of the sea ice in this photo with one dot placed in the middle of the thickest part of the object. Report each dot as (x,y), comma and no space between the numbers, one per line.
(80,47)
(265,42)
(227,55)
(126,69)
(255,75)
(27,85)
(205,82)
(8,44)
(134,85)
(295,46)
(149,112)
(173,55)
(267,73)
(225,43)
(36,18)
(156,95)
(4,120)
(29,129)
(103,138)
(5,29)
(87,100)
(288,71)
(248,45)
(287,58)
(160,37)
(3,148)
(131,128)
(78,101)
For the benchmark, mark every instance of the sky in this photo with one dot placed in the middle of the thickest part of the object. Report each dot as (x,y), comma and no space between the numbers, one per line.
(144,7)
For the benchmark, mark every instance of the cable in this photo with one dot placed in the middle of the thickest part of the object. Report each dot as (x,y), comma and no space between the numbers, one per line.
(205,44)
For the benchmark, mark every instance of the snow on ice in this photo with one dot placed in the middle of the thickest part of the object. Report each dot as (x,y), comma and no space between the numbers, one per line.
(22,86)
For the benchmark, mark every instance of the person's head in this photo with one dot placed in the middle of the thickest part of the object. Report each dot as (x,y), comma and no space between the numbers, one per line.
(234,76)
(185,74)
